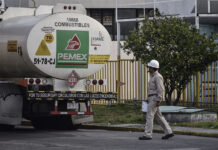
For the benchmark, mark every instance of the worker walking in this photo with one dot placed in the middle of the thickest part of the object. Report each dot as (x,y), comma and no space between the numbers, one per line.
(155,96)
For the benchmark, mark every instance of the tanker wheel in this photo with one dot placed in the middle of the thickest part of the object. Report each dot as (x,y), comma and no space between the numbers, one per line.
(4,127)
(76,126)
(57,123)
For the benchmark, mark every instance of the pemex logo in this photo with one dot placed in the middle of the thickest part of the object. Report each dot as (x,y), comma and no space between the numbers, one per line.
(72,49)
(74,43)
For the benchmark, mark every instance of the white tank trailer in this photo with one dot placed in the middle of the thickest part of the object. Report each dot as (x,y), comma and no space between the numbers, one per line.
(51,49)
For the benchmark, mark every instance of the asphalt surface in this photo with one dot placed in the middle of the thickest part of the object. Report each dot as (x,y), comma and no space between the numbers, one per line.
(27,138)
(140,128)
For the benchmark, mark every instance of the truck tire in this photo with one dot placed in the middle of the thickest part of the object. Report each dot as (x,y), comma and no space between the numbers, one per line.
(76,126)
(4,127)
(54,123)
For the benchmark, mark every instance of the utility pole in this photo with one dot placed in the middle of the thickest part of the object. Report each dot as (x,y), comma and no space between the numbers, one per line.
(198,74)
(118,50)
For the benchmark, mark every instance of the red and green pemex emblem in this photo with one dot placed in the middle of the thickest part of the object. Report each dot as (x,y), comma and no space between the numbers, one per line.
(72,49)
(74,43)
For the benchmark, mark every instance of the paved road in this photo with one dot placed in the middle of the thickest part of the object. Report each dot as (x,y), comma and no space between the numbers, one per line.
(26,138)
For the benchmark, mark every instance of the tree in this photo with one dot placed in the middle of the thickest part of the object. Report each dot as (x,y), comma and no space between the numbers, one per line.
(178,46)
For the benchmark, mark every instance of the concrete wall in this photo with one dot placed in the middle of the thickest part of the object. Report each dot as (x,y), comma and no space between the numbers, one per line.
(190,117)
(183,7)
(122,53)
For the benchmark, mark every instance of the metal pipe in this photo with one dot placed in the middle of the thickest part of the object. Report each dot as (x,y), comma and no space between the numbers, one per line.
(208,3)
(202,90)
(135,80)
(196,15)
(205,87)
(211,71)
(127,81)
(145,92)
(154,8)
(208,92)
(191,90)
(141,81)
(121,74)
(131,72)
(184,96)
(19,5)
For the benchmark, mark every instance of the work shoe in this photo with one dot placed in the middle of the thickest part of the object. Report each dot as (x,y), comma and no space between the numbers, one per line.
(144,138)
(167,136)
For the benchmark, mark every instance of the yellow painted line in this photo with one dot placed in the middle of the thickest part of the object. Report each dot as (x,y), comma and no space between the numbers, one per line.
(39,99)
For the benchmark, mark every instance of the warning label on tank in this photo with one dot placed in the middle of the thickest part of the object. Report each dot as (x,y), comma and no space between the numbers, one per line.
(72,49)
(12,46)
(98,59)
(43,50)
(49,38)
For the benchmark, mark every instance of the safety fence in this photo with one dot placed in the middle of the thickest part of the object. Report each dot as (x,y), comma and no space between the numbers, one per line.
(200,92)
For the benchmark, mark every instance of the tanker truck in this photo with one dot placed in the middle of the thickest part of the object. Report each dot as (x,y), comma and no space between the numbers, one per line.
(46,53)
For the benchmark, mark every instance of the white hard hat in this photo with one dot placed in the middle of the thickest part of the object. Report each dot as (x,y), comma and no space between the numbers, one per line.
(154,64)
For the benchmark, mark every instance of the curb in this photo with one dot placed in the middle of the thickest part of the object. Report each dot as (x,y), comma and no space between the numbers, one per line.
(142,130)
(111,128)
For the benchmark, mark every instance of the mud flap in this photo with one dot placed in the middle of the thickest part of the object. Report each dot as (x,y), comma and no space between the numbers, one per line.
(11,103)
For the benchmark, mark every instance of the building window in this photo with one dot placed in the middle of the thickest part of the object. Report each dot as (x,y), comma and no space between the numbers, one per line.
(107,18)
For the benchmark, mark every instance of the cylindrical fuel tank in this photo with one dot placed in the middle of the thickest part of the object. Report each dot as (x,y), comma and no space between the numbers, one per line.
(52,46)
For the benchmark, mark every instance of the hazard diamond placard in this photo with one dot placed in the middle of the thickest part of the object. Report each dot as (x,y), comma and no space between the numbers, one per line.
(73,78)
